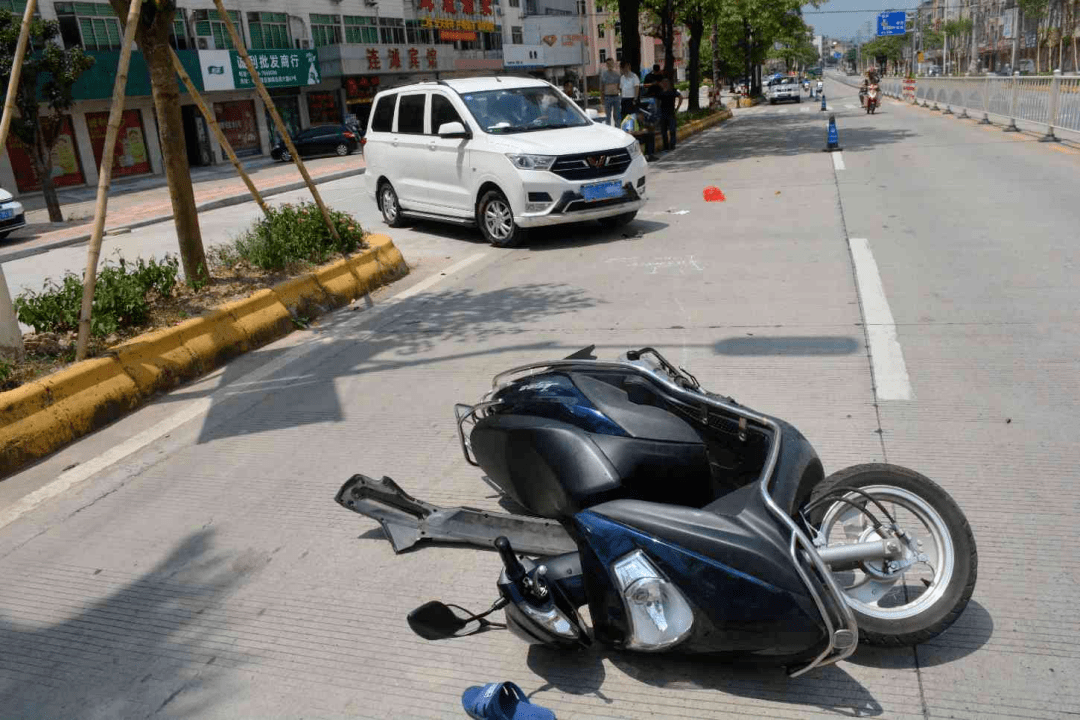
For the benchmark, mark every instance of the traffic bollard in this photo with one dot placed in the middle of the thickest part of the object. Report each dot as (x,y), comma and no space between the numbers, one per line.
(823,101)
(832,141)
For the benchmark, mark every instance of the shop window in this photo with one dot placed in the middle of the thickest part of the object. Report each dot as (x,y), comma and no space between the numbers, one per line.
(325,30)
(392,31)
(269,31)
(493,40)
(208,24)
(516,37)
(361,30)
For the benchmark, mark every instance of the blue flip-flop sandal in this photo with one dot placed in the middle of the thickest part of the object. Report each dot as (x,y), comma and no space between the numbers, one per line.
(502,701)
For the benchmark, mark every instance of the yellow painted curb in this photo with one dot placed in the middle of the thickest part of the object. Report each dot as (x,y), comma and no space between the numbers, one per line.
(302,295)
(41,416)
(260,317)
(156,360)
(339,282)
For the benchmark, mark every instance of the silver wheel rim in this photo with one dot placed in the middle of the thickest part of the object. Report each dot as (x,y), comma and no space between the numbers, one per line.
(498,219)
(389,203)
(286,156)
(904,594)
(342,149)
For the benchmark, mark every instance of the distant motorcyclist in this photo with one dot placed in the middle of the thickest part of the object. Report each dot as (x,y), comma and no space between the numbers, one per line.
(862,92)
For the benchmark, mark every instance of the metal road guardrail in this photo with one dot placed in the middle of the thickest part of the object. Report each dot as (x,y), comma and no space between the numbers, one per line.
(1052,103)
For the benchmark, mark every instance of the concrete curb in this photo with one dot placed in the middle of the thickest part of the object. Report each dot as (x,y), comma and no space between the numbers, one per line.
(42,416)
(236,199)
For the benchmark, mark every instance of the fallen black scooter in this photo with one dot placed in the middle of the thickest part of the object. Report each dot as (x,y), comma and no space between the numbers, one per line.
(685,522)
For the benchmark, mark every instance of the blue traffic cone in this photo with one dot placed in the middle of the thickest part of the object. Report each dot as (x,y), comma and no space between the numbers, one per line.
(823,101)
(833,139)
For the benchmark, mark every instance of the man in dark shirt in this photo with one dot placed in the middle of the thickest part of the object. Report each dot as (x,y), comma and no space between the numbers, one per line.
(651,84)
(670,102)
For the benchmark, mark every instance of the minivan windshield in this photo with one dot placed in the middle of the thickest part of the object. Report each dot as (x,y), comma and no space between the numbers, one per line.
(523,109)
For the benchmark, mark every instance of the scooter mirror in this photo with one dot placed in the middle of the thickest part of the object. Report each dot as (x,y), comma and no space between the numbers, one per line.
(435,621)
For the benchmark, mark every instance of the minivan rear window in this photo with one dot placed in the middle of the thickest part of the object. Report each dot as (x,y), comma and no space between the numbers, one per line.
(382,117)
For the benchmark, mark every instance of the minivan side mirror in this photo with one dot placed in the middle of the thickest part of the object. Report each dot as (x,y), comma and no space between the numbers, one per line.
(453,130)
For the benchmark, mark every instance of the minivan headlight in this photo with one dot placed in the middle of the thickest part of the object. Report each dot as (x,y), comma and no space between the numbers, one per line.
(531,162)
(659,614)
(634,149)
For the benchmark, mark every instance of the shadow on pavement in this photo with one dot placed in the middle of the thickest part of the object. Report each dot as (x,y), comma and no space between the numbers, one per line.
(763,136)
(554,237)
(307,392)
(137,649)
(788,345)
(830,688)
(970,633)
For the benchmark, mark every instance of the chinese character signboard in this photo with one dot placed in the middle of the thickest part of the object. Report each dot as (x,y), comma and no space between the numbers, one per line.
(892,23)
(226,70)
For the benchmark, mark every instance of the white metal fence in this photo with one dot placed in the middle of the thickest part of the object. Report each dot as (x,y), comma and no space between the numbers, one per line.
(1052,103)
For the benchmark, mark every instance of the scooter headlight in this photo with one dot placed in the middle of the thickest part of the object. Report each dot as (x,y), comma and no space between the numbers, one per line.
(659,614)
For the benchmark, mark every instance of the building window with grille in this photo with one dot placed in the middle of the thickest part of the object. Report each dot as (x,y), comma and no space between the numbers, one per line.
(600,31)
(494,40)
(516,38)
(94,26)
(603,56)
(208,24)
(618,54)
(392,31)
(581,7)
(325,30)
(361,30)
(416,34)
(515,3)
(269,31)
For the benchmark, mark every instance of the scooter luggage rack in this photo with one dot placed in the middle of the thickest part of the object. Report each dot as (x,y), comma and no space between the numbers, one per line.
(842,641)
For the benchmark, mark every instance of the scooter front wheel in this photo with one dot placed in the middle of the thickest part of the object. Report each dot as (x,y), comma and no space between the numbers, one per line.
(914,596)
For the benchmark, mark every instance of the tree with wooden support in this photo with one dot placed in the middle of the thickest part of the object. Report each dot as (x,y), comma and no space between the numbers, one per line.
(55,69)
(152,35)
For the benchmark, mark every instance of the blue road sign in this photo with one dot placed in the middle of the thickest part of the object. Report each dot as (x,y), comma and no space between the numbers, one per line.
(892,23)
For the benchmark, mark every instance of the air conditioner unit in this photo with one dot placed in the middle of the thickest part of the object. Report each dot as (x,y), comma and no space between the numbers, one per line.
(203,45)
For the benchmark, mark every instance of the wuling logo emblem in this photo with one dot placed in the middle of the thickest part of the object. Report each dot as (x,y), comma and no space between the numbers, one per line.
(597,161)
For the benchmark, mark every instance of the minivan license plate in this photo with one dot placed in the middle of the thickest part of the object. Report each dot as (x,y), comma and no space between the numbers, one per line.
(7,214)
(602,191)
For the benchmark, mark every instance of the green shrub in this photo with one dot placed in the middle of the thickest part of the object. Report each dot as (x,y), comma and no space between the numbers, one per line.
(688,117)
(293,234)
(120,298)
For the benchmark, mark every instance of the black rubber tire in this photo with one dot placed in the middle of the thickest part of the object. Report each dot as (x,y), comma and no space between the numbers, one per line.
(516,235)
(617,221)
(342,150)
(286,156)
(392,219)
(798,98)
(938,617)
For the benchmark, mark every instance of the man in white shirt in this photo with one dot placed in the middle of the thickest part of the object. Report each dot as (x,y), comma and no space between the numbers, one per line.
(629,89)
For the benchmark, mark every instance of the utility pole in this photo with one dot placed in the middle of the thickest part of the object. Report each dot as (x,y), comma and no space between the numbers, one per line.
(1017,29)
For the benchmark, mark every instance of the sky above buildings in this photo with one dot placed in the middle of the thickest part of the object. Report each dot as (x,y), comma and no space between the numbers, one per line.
(835,19)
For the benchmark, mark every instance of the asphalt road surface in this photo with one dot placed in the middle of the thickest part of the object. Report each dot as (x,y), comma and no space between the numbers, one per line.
(911,299)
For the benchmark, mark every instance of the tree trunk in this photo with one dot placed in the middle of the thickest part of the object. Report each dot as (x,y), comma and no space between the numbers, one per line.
(667,35)
(697,29)
(153,40)
(42,157)
(716,58)
(629,12)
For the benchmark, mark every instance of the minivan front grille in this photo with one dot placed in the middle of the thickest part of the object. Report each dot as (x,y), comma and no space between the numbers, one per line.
(589,166)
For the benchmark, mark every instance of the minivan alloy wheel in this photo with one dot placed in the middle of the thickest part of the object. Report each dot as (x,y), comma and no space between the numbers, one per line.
(498,219)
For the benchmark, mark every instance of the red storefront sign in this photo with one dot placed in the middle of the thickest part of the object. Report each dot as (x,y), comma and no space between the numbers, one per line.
(129,153)
(457,35)
(323,108)
(237,121)
(357,88)
(66,169)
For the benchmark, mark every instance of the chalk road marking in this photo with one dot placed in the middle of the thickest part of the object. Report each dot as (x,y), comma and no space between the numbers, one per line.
(891,380)
(679,263)
(66,480)
(838,161)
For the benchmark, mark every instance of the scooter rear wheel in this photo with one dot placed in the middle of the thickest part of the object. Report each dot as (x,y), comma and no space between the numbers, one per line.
(914,598)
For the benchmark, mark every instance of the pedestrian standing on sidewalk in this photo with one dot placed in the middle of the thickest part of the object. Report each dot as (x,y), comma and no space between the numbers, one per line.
(630,89)
(670,102)
(609,88)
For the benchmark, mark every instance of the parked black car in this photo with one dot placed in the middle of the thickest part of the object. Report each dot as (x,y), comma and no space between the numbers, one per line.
(319,140)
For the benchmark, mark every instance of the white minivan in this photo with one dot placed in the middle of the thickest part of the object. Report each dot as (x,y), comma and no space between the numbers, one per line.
(504,153)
